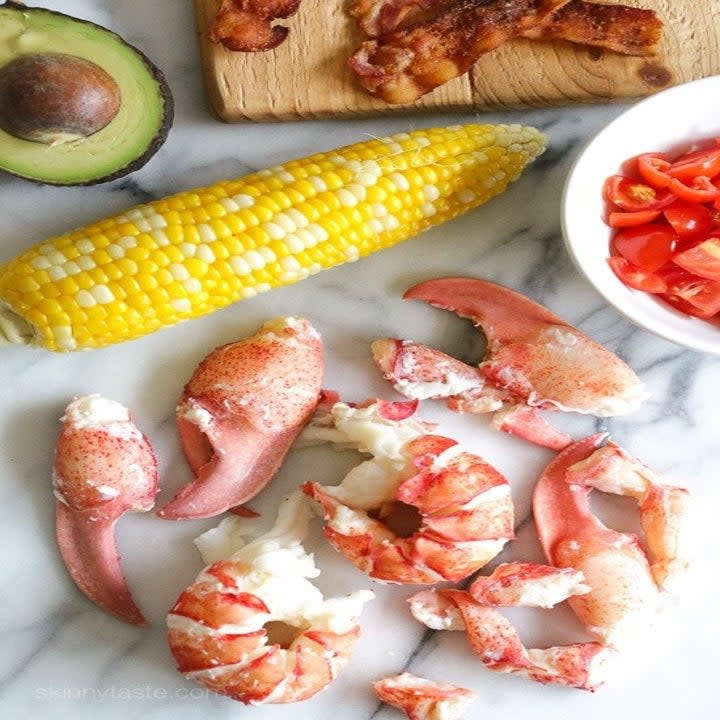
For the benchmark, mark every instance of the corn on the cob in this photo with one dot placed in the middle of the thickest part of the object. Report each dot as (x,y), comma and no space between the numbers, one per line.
(186,255)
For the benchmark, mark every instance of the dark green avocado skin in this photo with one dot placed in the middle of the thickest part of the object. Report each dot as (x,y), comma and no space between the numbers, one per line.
(154,71)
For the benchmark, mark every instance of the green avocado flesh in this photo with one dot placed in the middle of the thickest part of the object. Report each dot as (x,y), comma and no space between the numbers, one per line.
(122,146)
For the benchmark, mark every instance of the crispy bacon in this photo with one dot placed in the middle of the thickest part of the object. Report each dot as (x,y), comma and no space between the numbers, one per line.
(380,17)
(247,25)
(404,65)
(621,28)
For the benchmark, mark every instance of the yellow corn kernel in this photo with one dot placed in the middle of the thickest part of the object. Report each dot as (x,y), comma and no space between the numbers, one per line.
(166,261)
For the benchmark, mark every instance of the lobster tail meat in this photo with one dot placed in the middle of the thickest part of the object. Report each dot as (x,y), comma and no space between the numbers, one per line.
(253,627)
(422,509)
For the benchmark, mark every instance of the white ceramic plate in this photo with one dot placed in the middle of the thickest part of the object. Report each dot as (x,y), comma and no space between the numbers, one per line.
(667,121)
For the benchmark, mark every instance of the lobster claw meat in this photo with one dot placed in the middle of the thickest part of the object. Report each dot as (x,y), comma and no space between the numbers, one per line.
(240,413)
(104,467)
(627,586)
(534,361)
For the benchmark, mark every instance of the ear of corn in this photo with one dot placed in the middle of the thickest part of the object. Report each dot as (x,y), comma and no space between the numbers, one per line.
(186,255)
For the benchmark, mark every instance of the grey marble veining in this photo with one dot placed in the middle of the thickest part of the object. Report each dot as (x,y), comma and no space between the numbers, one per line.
(60,657)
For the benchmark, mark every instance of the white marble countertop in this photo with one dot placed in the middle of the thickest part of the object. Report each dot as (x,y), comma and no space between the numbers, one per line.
(61,657)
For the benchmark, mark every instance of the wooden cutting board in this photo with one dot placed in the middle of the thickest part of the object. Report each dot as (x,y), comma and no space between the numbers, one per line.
(307,76)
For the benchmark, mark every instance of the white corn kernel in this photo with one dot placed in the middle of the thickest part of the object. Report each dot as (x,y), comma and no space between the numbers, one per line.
(243,200)
(84,299)
(254,259)
(229,204)
(206,254)
(274,230)
(179,272)
(318,183)
(399,181)
(40,262)
(318,231)
(86,263)
(84,246)
(206,233)
(182,305)
(239,265)
(128,241)
(102,294)
(192,285)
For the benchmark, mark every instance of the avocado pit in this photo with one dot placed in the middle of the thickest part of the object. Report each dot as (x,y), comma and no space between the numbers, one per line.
(54,97)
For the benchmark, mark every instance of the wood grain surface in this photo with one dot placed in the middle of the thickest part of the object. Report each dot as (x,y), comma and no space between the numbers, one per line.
(307,76)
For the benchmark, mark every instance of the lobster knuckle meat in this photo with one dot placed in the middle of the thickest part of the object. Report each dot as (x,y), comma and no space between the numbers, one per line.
(104,467)
(240,413)
(422,509)
(493,638)
(253,626)
(627,583)
(423,699)
(534,361)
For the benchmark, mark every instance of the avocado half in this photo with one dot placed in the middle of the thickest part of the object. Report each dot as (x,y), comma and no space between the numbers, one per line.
(135,133)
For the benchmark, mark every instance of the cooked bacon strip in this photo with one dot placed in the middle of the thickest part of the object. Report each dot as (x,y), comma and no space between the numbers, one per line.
(406,64)
(380,17)
(623,29)
(246,25)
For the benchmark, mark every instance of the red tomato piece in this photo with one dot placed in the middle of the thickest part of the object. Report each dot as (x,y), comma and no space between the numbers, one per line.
(652,168)
(689,219)
(635,196)
(701,190)
(702,260)
(636,278)
(690,293)
(647,247)
(698,162)
(687,308)
(631,219)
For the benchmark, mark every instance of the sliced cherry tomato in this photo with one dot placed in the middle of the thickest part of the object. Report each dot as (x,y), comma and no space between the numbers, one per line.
(688,308)
(701,190)
(702,260)
(690,293)
(636,278)
(698,162)
(652,168)
(648,247)
(632,219)
(666,215)
(635,196)
(689,219)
